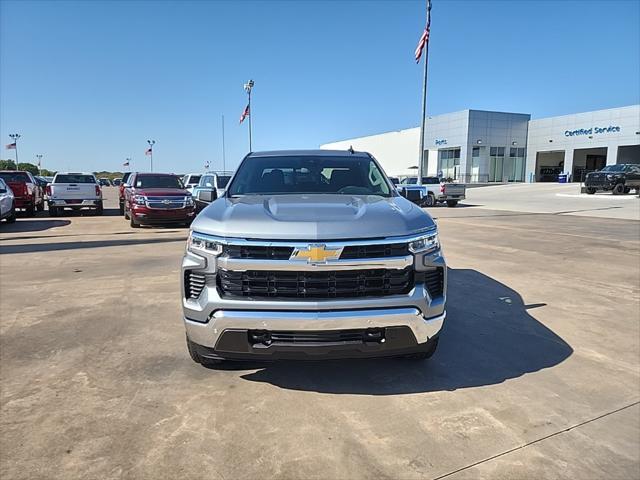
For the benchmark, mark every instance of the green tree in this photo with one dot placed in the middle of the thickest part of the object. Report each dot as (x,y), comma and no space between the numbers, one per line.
(29,167)
(47,173)
(7,165)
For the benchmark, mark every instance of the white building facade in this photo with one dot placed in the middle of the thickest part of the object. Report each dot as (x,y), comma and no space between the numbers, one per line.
(475,146)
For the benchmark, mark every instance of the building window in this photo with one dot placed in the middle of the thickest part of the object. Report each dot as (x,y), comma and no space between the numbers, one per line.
(449,163)
(475,152)
(510,169)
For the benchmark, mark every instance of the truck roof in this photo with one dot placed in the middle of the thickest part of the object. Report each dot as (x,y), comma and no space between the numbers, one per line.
(309,153)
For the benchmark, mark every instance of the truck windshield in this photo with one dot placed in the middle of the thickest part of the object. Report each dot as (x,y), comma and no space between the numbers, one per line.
(309,174)
(15,177)
(157,181)
(74,178)
(223,180)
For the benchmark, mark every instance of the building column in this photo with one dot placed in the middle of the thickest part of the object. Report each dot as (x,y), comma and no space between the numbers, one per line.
(612,154)
(568,161)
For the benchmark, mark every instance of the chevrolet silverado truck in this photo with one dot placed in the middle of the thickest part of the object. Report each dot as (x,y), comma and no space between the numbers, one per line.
(617,179)
(7,207)
(157,199)
(312,254)
(432,191)
(28,195)
(76,191)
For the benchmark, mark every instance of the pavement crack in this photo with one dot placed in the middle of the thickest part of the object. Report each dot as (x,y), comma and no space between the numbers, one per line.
(520,447)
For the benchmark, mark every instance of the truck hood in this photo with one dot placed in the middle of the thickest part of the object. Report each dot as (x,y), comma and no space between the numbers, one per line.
(312,217)
(162,192)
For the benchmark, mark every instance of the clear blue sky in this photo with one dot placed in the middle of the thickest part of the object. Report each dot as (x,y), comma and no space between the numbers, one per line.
(87,83)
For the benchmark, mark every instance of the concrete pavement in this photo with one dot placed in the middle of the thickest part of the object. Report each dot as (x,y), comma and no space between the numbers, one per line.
(537,374)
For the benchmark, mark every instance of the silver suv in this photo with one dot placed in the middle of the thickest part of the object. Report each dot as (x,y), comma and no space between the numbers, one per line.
(309,255)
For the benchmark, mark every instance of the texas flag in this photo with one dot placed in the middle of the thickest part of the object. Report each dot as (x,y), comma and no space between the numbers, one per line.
(11,146)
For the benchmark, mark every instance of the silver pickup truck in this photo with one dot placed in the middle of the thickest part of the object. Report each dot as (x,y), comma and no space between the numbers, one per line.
(433,190)
(309,255)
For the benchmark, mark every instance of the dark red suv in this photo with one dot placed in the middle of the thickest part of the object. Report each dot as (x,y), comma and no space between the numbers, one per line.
(157,198)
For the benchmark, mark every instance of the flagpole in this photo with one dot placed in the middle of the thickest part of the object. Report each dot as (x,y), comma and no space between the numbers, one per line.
(39,157)
(247,88)
(15,137)
(424,96)
(223,153)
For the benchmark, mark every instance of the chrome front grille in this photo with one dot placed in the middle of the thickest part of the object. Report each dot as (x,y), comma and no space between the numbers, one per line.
(166,203)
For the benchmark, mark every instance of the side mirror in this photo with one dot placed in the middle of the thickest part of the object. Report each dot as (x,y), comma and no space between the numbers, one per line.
(126,185)
(206,195)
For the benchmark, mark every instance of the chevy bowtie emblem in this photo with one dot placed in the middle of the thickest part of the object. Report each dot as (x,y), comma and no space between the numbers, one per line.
(316,253)
(166,202)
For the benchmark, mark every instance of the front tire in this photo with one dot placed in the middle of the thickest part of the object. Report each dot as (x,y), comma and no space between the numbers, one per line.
(618,189)
(133,222)
(12,216)
(591,190)
(428,351)
(452,203)
(195,356)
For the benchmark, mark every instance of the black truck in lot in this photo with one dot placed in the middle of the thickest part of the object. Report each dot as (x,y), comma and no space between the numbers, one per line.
(618,179)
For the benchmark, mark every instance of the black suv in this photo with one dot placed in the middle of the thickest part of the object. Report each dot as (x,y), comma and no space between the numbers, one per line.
(618,179)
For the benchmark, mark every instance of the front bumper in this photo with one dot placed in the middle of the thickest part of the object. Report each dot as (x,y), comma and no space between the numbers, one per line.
(210,315)
(147,215)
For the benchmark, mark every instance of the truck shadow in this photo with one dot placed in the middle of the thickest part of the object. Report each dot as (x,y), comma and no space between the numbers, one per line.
(489,337)
(32,224)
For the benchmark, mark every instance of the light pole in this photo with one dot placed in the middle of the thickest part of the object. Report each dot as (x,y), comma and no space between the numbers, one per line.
(150,151)
(39,157)
(247,88)
(15,137)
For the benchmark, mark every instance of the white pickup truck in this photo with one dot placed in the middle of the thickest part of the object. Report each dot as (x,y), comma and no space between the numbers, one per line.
(432,191)
(75,191)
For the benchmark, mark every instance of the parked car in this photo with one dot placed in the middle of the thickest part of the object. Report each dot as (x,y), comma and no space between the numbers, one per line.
(432,191)
(191,180)
(105,182)
(312,254)
(75,191)
(121,188)
(7,206)
(116,182)
(157,198)
(394,180)
(217,182)
(617,179)
(28,195)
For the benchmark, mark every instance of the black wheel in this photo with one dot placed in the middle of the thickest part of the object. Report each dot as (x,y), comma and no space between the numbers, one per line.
(12,216)
(30,211)
(452,203)
(100,209)
(53,211)
(121,208)
(428,351)
(627,190)
(40,206)
(591,190)
(195,356)
(430,201)
(132,222)
(618,189)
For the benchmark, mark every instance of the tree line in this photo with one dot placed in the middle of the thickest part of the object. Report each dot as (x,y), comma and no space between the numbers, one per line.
(33,169)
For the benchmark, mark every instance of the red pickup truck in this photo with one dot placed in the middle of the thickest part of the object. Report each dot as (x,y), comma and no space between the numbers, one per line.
(157,198)
(28,194)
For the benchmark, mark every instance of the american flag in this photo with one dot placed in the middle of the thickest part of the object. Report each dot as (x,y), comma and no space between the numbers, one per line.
(245,114)
(11,146)
(206,165)
(423,41)
(148,151)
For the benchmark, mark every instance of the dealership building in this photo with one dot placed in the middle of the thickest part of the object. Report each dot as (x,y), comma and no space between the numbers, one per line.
(475,146)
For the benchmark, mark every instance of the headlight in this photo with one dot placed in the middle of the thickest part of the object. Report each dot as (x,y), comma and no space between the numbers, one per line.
(425,244)
(197,244)
(139,199)
(611,177)
(188,201)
